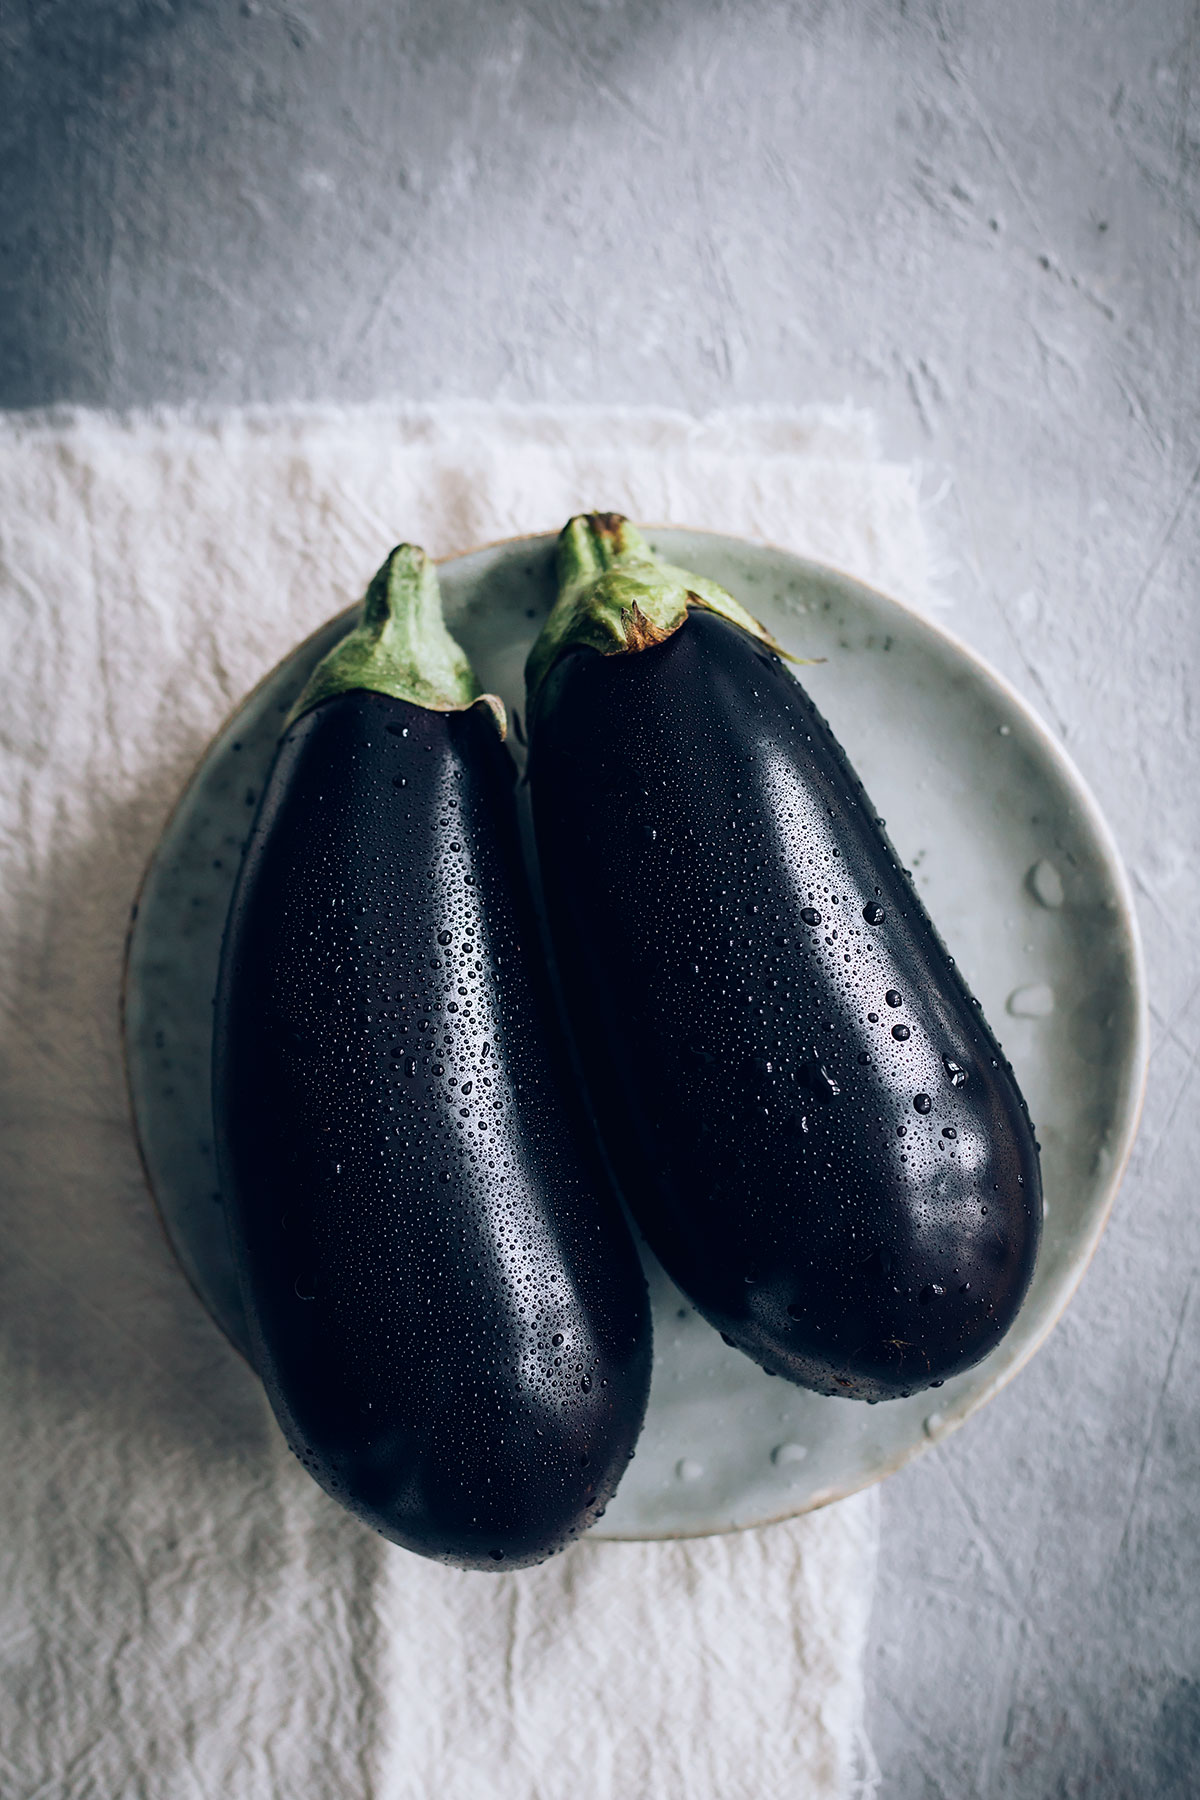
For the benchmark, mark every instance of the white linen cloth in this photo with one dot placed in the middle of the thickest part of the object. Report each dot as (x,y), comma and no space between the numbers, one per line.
(184,1615)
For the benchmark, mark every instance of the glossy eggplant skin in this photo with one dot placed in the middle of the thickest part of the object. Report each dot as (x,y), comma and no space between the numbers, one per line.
(803,1104)
(446,1305)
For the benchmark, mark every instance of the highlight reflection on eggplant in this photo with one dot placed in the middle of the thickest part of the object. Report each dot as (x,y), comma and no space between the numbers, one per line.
(446,1306)
(806,1110)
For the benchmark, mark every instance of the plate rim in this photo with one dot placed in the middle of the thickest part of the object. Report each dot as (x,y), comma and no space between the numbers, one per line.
(1132,1102)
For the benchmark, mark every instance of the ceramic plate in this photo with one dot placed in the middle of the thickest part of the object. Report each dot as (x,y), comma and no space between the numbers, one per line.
(1012,858)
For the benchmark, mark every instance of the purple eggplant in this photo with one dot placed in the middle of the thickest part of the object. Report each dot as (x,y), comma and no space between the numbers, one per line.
(803,1104)
(446,1305)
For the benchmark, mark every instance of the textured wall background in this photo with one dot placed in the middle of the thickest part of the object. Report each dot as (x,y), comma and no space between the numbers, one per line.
(982,220)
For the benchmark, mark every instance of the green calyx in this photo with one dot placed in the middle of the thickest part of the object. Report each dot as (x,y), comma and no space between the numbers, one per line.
(401,647)
(617,597)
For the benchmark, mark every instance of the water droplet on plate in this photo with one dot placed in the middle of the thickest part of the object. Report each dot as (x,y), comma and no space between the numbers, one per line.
(688,1469)
(1045,884)
(1033,1002)
(934,1424)
(783,1454)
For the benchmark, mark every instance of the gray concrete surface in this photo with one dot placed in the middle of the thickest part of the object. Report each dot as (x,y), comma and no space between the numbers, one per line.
(983,221)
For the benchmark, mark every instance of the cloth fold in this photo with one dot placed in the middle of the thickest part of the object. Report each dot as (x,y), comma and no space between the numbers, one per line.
(184,1613)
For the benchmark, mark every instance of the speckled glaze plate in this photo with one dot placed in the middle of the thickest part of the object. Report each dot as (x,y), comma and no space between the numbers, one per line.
(1012,858)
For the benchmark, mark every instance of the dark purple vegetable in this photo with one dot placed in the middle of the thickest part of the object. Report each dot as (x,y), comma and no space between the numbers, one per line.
(806,1110)
(445,1303)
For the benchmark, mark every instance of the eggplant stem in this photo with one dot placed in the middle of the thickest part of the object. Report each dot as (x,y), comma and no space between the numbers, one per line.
(616,596)
(400,647)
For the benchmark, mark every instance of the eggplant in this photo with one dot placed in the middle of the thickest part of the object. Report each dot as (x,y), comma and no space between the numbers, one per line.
(802,1102)
(445,1302)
